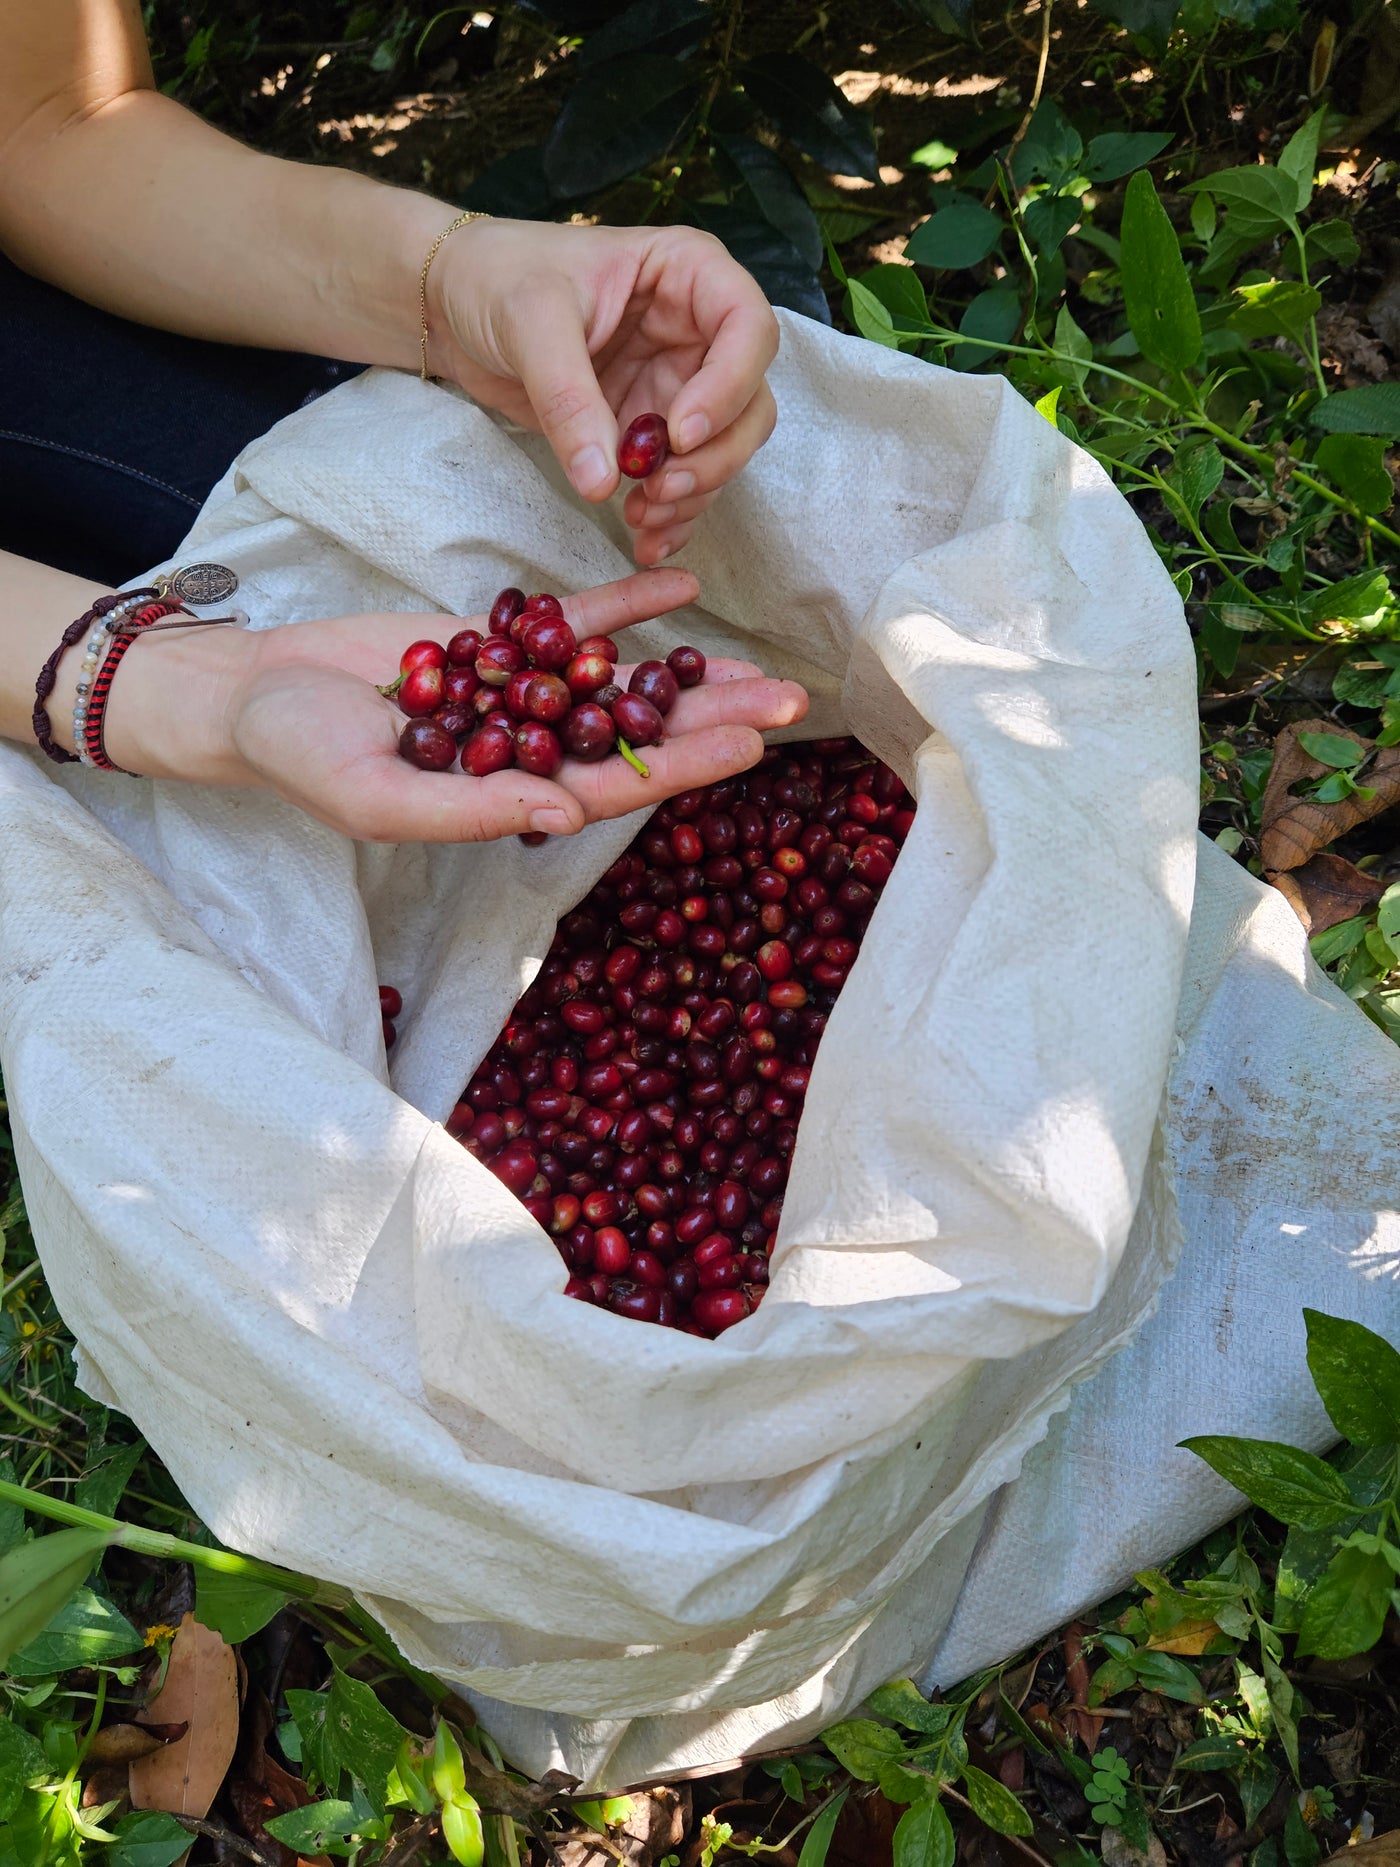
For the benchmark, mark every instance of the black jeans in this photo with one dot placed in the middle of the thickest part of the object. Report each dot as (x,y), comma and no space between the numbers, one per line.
(112,434)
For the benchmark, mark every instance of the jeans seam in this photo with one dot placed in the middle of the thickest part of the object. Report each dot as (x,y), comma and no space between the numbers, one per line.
(99,460)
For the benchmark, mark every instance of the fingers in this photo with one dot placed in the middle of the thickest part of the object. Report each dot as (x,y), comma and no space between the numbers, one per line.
(639,598)
(731,311)
(683,763)
(399,804)
(750,699)
(549,350)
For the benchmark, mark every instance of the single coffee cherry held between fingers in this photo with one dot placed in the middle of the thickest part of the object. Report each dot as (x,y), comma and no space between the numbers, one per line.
(655,682)
(643,447)
(638,720)
(428,745)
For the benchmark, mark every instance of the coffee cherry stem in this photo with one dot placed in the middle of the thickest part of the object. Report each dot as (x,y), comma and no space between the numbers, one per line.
(390,688)
(631,757)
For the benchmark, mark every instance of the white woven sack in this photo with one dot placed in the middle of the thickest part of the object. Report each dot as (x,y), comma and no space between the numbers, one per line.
(635,1550)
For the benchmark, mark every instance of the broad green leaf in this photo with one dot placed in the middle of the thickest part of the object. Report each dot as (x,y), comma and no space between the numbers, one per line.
(1119,152)
(1292,1485)
(1072,342)
(22,1763)
(362,1735)
(1212,1753)
(900,290)
(308,1830)
(101,1487)
(462,1831)
(994,316)
(618,117)
(86,1631)
(37,1578)
(1157,294)
(1203,218)
(1347,1606)
(1361,682)
(1051,147)
(1357,1372)
(770,256)
(934,155)
(1047,219)
(1338,941)
(447,1771)
(870,317)
(902,1781)
(1194,475)
(902,1702)
(317,1759)
(674,26)
(1330,241)
(818,1841)
(11,1515)
(1135,1827)
(148,1838)
(1269,194)
(1148,20)
(1108,1680)
(862,1746)
(1275,308)
(1374,409)
(1300,1847)
(1355,464)
(923,1836)
(1173,1678)
(1365,599)
(812,113)
(1048,405)
(958,235)
(1388,920)
(1298,158)
(993,1803)
(1332,750)
(775,194)
(234,1606)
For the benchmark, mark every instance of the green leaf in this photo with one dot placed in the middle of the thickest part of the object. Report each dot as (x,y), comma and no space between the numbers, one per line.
(673,26)
(11,1515)
(1119,152)
(923,1836)
(814,1848)
(100,1488)
(1298,158)
(775,194)
(994,315)
(37,1577)
(1355,464)
(1195,474)
(86,1631)
(1271,196)
(1338,941)
(1357,1372)
(958,235)
(870,317)
(1173,1678)
(902,1702)
(1073,342)
(308,1830)
(1212,1753)
(1374,409)
(1203,218)
(900,290)
(1047,219)
(148,1838)
(1365,599)
(1048,405)
(1330,240)
(22,1763)
(1363,682)
(1300,1847)
(1113,1677)
(1157,296)
(1275,308)
(934,155)
(770,256)
(308,1711)
(993,1803)
(1388,920)
(1347,1606)
(462,1831)
(862,1746)
(618,118)
(1148,20)
(1292,1485)
(812,113)
(233,1606)
(361,1735)
(1332,750)
(902,1781)
(1051,147)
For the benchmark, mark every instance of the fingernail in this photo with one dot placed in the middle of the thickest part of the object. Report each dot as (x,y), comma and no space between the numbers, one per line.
(677,485)
(694,430)
(589,469)
(552,822)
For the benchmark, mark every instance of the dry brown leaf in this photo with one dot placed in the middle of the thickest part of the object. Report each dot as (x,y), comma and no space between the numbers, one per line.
(1187,1637)
(125,1743)
(1294,829)
(656,1827)
(201,1689)
(1380,1851)
(1327,890)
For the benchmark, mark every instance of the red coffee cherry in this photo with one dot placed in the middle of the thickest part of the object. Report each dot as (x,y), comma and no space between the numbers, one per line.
(422,655)
(687,664)
(421,692)
(504,611)
(643,447)
(489,749)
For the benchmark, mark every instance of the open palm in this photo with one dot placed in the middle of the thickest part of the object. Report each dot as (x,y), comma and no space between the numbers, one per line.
(310,724)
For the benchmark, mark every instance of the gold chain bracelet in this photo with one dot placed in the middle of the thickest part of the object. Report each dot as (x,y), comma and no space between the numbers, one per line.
(460,221)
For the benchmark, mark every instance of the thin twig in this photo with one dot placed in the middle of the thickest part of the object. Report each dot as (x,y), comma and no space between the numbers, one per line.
(1046,10)
(219,1831)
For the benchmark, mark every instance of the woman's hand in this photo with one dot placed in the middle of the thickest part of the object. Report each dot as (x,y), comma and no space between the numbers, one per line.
(576,330)
(295,710)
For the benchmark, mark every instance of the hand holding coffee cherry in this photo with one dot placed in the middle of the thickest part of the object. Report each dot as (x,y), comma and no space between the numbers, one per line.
(531,692)
(303,719)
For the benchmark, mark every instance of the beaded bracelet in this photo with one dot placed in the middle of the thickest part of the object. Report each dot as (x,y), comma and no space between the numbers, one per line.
(93,655)
(91,709)
(48,674)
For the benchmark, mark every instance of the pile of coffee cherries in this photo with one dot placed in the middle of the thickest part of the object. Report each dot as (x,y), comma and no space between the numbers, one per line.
(644,1096)
(529,692)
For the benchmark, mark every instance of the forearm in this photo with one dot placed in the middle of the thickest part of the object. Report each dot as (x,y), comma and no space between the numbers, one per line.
(168,715)
(145,210)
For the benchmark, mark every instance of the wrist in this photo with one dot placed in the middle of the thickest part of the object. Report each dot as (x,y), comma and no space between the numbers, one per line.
(173,704)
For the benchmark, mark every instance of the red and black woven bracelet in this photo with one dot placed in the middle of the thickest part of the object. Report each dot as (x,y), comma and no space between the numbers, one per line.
(48,674)
(123,636)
